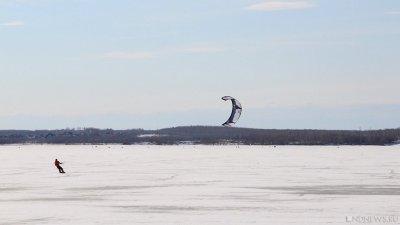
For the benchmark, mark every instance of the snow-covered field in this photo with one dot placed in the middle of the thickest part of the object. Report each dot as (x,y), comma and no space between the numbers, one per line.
(190,185)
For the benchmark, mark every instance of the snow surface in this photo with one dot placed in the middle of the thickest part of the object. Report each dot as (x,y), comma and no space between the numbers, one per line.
(178,185)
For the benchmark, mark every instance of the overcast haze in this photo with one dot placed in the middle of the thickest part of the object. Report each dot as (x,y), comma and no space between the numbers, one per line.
(151,64)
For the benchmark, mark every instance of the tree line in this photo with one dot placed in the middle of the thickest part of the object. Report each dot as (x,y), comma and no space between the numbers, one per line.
(202,135)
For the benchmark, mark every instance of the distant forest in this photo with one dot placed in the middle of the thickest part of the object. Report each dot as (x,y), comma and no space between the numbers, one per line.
(202,135)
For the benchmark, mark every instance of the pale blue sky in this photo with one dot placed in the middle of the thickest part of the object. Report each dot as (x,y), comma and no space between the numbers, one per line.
(327,64)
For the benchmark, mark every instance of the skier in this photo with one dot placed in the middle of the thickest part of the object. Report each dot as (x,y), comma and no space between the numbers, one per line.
(57,163)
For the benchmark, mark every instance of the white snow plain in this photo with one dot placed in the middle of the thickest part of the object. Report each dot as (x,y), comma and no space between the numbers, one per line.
(198,185)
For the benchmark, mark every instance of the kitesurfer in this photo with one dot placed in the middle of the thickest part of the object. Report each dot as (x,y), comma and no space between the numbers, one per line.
(57,164)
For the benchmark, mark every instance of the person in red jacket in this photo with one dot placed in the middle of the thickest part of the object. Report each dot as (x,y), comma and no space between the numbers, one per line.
(57,163)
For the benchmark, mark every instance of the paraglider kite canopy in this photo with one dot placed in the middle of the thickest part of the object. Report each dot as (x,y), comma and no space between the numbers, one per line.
(236,111)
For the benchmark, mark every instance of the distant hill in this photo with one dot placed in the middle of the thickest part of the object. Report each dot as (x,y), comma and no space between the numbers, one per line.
(202,135)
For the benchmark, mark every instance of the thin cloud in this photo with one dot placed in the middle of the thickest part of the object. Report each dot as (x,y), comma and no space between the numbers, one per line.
(281,5)
(203,50)
(393,13)
(13,24)
(129,55)
(151,54)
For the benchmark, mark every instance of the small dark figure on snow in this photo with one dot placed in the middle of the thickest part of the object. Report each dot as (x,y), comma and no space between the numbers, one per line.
(57,163)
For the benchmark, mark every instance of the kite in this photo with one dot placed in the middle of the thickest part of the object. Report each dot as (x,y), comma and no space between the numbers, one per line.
(236,111)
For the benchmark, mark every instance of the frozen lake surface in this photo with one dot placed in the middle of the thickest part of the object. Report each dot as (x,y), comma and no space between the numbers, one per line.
(190,185)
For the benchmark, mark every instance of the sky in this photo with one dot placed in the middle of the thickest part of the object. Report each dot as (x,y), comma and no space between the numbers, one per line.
(152,64)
